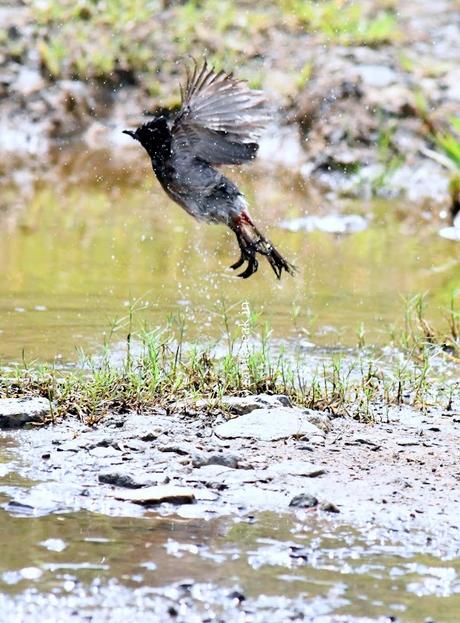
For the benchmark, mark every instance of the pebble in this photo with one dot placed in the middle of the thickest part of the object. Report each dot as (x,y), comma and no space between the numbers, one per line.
(157,495)
(16,412)
(304,500)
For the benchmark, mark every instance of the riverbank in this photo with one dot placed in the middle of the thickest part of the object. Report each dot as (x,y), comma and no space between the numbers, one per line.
(365,94)
(398,476)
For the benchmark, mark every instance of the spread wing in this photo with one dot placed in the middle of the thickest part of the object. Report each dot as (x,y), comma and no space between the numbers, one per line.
(220,118)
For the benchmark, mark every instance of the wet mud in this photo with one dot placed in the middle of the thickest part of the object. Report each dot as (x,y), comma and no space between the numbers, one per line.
(350,522)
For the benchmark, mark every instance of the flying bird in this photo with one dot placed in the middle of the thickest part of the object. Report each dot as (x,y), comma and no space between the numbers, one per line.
(219,122)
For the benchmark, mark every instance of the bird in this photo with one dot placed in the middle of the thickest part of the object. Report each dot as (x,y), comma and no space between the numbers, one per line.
(219,122)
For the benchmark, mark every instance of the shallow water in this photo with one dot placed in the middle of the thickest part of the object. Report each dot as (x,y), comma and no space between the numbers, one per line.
(75,248)
(56,563)
(74,251)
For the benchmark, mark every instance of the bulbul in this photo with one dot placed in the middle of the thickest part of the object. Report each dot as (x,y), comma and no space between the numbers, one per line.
(219,122)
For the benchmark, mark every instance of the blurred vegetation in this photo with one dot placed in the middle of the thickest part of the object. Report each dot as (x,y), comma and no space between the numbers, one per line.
(342,22)
(99,39)
(449,141)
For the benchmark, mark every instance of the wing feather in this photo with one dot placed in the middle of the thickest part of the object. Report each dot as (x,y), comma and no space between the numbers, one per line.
(221,118)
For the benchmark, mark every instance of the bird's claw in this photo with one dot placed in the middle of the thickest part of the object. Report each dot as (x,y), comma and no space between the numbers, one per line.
(238,263)
(251,268)
(247,255)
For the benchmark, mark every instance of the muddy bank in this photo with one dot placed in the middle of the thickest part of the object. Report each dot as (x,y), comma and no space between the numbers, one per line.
(348,119)
(276,513)
(399,476)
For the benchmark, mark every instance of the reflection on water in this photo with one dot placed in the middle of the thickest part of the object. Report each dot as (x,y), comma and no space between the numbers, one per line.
(79,251)
(271,555)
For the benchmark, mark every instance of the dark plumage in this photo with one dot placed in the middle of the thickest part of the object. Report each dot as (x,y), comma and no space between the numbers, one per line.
(219,122)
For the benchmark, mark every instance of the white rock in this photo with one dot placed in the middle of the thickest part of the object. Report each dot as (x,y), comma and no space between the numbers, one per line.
(157,495)
(15,412)
(269,425)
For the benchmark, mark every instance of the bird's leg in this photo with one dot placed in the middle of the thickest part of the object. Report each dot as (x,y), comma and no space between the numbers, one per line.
(248,249)
(242,258)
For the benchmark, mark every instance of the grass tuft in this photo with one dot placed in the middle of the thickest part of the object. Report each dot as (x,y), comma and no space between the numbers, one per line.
(160,367)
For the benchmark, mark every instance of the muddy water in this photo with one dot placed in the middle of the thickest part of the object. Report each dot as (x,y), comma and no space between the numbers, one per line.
(59,563)
(76,247)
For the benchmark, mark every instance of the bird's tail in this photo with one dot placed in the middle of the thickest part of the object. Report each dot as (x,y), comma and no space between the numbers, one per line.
(251,242)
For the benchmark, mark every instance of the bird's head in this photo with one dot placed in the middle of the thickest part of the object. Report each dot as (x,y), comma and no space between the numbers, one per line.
(151,135)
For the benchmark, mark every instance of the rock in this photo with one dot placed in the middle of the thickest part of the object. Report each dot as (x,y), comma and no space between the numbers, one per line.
(125,478)
(224,459)
(366,440)
(157,495)
(304,500)
(183,449)
(241,405)
(269,425)
(329,507)
(16,412)
(295,468)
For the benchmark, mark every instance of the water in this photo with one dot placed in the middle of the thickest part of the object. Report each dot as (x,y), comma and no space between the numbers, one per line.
(77,247)
(61,562)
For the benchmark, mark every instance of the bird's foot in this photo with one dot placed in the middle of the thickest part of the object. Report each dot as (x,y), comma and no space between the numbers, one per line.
(248,254)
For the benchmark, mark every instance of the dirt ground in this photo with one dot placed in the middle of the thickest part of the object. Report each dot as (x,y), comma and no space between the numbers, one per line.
(400,476)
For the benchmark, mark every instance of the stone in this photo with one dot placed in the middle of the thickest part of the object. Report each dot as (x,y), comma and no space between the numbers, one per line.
(16,412)
(304,500)
(183,449)
(225,459)
(295,468)
(269,425)
(329,507)
(157,495)
(125,478)
(240,405)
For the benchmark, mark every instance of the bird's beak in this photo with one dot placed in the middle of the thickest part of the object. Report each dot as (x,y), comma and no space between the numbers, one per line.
(132,134)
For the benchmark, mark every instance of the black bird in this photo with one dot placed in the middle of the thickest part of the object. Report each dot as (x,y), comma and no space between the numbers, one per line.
(219,122)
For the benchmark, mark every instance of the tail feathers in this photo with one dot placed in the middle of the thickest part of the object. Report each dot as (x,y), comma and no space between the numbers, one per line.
(251,242)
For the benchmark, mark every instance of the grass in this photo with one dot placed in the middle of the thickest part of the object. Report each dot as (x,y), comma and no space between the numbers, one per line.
(448,141)
(342,22)
(96,39)
(160,368)
(387,156)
